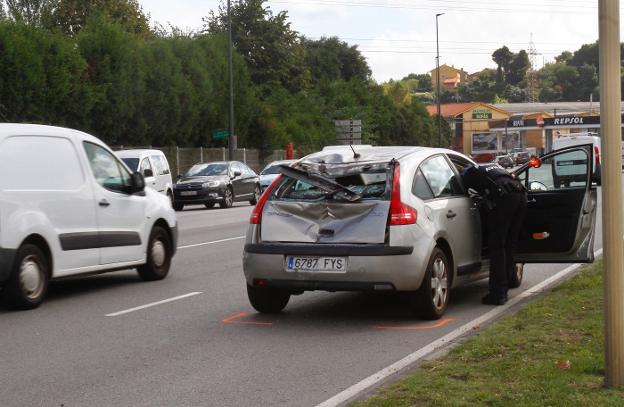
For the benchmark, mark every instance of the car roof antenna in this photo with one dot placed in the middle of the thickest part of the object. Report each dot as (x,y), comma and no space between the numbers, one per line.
(355,155)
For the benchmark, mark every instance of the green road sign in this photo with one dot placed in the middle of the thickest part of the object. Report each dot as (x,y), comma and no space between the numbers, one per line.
(217,134)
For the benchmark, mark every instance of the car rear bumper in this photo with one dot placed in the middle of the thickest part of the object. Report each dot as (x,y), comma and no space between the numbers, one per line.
(369,267)
(7,257)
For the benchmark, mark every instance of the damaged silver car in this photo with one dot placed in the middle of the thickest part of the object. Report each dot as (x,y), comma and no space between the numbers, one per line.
(398,219)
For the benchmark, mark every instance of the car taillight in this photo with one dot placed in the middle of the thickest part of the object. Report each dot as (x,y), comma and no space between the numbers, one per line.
(256,214)
(400,213)
(597,154)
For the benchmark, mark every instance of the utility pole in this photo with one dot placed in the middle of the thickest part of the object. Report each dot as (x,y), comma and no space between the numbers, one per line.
(438,82)
(231,138)
(612,221)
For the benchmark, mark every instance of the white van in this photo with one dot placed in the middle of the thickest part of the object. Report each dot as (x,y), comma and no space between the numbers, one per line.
(154,167)
(68,207)
(568,170)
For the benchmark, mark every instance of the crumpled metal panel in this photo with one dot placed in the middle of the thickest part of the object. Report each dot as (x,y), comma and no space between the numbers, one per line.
(327,222)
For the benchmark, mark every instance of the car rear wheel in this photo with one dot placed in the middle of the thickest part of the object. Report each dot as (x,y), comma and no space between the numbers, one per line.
(432,297)
(267,300)
(159,252)
(228,198)
(256,195)
(29,279)
(515,279)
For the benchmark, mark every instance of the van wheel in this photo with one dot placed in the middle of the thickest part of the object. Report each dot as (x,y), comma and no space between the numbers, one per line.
(432,297)
(515,280)
(158,256)
(256,196)
(178,206)
(29,279)
(267,300)
(228,198)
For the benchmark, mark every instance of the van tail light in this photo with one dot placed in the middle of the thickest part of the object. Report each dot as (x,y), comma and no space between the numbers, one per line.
(256,214)
(597,155)
(400,213)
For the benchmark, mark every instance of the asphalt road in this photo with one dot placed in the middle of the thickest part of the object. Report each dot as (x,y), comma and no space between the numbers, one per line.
(207,347)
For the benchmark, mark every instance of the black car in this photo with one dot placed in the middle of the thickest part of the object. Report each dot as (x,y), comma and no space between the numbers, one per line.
(505,161)
(223,182)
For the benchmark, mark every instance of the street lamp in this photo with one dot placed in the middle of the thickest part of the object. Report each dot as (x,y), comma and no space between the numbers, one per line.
(438,82)
(231,139)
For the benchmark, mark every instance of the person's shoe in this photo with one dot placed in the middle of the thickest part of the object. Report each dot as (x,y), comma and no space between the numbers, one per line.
(490,299)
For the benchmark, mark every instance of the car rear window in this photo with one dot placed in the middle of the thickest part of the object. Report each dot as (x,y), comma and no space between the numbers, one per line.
(367,182)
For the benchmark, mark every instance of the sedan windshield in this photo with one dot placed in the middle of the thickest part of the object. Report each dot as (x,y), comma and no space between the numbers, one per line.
(270,170)
(200,170)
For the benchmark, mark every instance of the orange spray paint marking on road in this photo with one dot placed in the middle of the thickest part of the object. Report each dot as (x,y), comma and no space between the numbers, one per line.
(438,324)
(233,319)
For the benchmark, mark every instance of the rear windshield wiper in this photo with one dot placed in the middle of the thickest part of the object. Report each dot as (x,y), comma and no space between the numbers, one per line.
(328,185)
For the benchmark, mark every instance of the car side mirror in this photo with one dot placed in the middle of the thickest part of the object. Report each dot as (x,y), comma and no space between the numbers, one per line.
(237,173)
(148,173)
(138,183)
(179,177)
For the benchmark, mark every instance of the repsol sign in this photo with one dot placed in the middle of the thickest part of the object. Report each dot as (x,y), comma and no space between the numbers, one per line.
(572,121)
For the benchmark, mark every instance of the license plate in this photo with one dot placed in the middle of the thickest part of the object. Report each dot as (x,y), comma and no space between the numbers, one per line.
(188,193)
(316,264)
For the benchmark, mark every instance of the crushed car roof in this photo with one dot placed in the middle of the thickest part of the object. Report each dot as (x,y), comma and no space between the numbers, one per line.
(366,153)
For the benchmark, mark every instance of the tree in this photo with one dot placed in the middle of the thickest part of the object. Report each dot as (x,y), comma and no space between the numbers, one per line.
(424,83)
(564,57)
(330,59)
(27,11)
(502,57)
(273,51)
(70,16)
(517,68)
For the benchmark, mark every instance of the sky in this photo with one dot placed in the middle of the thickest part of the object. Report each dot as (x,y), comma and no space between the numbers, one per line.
(398,37)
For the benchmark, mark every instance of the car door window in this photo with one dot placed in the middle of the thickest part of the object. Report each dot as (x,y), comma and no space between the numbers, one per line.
(145,165)
(567,170)
(440,177)
(108,172)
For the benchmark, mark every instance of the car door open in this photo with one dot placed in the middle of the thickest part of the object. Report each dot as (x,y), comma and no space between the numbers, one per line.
(559,225)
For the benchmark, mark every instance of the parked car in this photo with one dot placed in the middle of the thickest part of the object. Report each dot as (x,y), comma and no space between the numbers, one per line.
(397,219)
(154,167)
(69,206)
(223,182)
(521,157)
(271,171)
(505,161)
(483,157)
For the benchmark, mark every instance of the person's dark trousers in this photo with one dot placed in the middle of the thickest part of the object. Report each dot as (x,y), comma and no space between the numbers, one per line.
(504,223)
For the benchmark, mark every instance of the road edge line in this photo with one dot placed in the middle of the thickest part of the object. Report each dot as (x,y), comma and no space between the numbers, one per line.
(152,304)
(351,392)
(211,242)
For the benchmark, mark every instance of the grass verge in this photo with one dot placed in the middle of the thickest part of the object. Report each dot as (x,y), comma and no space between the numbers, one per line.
(550,353)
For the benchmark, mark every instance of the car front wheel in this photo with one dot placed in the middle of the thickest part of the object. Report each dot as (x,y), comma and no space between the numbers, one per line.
(432,297)
(267,300)
(29,279)
(228,198)
(256,196)
(515,280)
(159,252)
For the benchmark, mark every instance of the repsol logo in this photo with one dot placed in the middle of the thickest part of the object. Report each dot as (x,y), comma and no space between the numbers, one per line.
(568,120)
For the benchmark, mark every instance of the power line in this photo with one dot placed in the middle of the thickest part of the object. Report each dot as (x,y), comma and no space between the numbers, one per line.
(441,42)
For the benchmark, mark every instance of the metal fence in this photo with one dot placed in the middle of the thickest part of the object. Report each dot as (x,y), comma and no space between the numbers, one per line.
(182,158)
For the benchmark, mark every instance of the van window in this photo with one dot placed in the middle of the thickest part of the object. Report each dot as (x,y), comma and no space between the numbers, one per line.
(108,172)
(161,164)
(39,163)
(132,163)
(145,165)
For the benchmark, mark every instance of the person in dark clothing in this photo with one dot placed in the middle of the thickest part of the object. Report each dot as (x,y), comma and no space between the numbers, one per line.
(505,204)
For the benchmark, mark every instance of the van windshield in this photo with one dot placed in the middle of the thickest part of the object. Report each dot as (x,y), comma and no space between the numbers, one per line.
(362,182)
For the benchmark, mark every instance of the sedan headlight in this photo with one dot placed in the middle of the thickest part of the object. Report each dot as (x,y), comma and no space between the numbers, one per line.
(211,184)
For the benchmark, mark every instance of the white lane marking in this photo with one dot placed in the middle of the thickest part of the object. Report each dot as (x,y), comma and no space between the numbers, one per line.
(372,380)
(153,304)
(213,242)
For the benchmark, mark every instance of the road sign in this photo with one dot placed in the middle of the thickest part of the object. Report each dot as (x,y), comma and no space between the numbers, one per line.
(348,131)
(219,134)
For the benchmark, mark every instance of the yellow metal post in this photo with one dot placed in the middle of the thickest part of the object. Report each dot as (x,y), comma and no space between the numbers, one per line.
(612,224)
